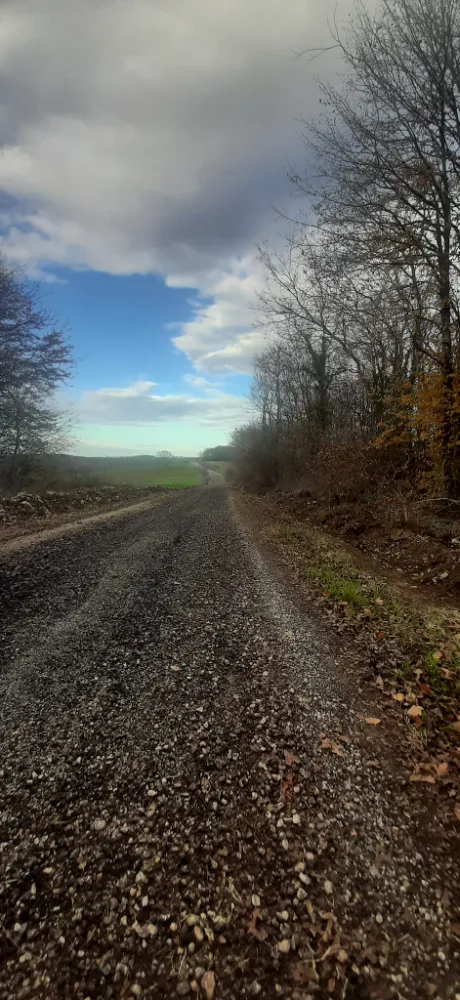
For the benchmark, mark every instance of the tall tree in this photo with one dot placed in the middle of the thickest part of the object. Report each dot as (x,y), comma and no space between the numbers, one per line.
(383,167)
(35,359)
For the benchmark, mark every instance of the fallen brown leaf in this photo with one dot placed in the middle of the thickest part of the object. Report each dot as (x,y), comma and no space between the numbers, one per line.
(457,811)
(426,778)
(415,711)
(424,689)
(252,925)
(287,788)
(208,984)
(442,770)
(334,747)
(372,722)
(398,697)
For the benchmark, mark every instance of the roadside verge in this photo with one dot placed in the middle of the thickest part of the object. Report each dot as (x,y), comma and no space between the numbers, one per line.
(404,648)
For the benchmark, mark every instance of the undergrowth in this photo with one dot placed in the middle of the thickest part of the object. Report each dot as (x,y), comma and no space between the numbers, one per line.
(428,637)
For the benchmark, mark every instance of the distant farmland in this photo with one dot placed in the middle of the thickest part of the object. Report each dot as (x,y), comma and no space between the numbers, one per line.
(173,476)
(68,472)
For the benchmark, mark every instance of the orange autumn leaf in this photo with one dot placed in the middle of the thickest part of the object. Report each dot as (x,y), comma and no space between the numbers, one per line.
(424,688)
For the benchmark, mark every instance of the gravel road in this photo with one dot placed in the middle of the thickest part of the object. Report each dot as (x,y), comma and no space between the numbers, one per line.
(190,803)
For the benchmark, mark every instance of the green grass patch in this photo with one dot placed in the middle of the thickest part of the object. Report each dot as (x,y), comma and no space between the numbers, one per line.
(71,472)
(346,590)
(333,572)
(337,587)
(171,476)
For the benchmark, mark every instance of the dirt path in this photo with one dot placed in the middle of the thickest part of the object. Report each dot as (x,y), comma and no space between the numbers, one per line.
(191,803)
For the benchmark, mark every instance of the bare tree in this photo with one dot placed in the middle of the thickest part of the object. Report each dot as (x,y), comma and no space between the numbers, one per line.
(383,165)
(35,359)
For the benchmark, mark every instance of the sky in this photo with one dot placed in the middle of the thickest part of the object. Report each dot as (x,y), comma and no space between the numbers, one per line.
(144,147)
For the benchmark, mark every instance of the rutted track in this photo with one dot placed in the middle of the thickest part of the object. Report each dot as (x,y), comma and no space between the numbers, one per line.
(170,823)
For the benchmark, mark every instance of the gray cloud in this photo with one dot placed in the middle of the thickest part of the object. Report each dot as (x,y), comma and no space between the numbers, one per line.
(151,136)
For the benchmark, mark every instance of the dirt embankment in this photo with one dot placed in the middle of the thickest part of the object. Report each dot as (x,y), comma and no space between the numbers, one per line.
(27,513)
(419,545)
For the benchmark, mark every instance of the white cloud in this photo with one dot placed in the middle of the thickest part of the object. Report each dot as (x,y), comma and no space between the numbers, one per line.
(136,405)
(134,391)
(220,338)
(152,135)
(198,382)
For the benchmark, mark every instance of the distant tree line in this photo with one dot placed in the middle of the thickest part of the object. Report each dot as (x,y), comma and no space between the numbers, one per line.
(220,453)
(35,359)
(361,305)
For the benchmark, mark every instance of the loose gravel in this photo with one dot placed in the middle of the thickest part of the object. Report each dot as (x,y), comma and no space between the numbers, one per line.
(191,804)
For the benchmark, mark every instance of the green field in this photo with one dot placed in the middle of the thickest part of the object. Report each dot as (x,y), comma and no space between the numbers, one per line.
(172,476)
(71,472)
